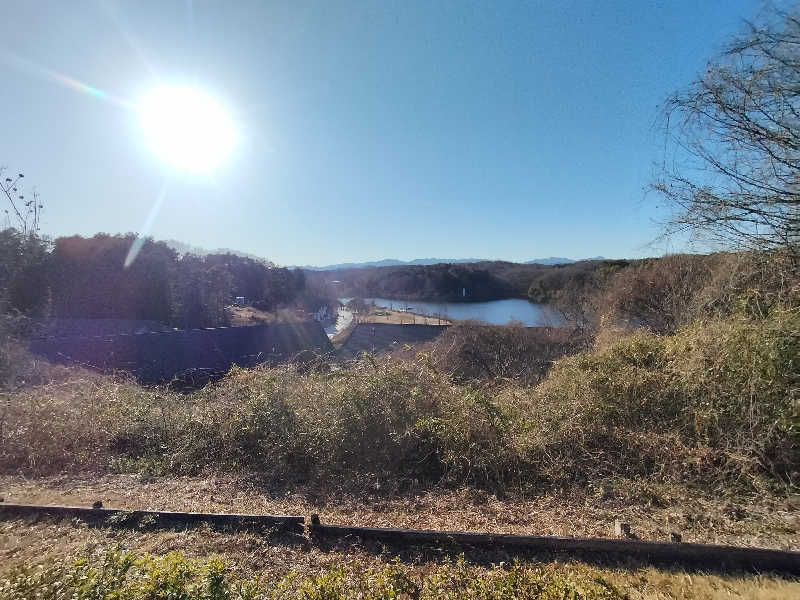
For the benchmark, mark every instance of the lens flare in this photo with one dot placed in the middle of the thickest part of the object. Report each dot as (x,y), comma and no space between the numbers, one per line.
(36,70)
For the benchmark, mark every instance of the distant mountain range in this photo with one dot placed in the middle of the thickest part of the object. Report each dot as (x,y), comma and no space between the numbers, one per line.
(559,260)
(392,262)
(386,262)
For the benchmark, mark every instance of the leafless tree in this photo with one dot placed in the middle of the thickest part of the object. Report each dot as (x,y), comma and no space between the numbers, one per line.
(23,213)
(731,169)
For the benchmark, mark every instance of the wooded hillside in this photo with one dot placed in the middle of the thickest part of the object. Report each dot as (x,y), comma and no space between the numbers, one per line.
(104,277)
(482,281)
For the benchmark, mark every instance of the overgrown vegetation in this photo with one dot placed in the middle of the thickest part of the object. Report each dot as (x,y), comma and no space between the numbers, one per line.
(680,368)
(677,371)
(238,566)
(19,368)
(676,290)
(716,404)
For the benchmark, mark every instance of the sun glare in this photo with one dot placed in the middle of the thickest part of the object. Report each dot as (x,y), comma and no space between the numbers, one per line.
(186,128)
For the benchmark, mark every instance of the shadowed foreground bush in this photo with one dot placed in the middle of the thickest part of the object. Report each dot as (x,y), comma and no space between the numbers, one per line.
(715,403)
(125,576)
(19,368)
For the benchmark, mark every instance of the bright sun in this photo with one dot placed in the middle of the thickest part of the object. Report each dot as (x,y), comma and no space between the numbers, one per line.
(187,128)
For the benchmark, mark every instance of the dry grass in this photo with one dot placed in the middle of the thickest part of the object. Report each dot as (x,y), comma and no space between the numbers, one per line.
(663,432)
(673,291)
(714,405)
(244,316)
(761,521)
(400,317)
(718,397)
(30,544)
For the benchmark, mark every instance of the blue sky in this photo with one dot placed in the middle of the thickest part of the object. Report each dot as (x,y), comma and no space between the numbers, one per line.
(368,130)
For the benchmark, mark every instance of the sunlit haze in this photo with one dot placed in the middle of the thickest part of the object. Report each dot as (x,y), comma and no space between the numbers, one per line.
(313,133)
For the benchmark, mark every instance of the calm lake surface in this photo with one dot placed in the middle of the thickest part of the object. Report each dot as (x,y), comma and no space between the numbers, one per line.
(494,312)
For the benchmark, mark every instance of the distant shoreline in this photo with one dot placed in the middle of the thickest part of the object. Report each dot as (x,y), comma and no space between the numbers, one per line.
(401,317)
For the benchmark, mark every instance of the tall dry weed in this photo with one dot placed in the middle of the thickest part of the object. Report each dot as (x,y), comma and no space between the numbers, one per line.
(714,404)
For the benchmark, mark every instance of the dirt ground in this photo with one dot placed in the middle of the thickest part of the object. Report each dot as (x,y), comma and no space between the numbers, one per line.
(242,316)
(385,315)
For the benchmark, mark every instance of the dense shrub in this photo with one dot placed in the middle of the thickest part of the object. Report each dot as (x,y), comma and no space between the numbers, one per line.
(126,576)
(69,425)
(657,293)
(663,294)
(715,403)
(470,351)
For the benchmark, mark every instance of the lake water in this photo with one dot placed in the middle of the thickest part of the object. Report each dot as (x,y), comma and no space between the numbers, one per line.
(494,312)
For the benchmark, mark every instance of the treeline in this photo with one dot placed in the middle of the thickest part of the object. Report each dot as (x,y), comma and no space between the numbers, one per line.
(470,282)
(99,277)
(447,282)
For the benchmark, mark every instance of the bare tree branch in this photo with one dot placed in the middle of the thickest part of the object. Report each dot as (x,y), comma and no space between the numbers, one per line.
(733,140)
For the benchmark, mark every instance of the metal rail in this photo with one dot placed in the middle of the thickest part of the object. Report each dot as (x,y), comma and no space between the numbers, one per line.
(717,557)
(691,554)
(156,518)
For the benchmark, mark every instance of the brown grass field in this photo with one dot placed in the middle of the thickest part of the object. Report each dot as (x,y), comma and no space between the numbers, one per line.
(400,317)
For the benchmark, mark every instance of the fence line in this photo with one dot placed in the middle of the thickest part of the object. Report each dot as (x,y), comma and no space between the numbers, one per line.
(156,518)
(716,556)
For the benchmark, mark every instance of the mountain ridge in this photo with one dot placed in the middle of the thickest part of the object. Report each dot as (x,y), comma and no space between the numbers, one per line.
(185,248)
(393,262)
